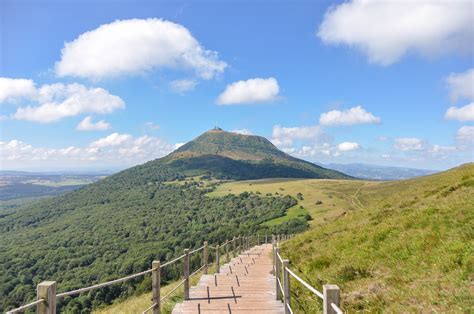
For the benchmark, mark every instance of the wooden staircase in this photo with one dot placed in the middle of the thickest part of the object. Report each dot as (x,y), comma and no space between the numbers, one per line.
(244,285)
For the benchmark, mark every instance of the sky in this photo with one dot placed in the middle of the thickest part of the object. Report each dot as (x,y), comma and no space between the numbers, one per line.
(87,85)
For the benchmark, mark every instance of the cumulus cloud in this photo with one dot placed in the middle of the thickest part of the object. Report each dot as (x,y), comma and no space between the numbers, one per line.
(87,125)
(286,136)
(348,146)
(409,144)
(15,89)
(113,150)
(136,46)
(182,86)
(58,101)
(465,113)
(242,131)
(256,90)
(114,139)
(461,85)
(465,137)
(355,115)
(387,30)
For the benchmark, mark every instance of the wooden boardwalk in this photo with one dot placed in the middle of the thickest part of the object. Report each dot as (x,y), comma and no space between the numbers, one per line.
(244,285)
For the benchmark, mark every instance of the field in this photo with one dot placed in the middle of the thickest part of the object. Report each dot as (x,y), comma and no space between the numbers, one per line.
(322,199)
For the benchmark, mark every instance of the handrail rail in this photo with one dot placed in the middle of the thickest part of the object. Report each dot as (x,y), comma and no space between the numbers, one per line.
(173,260)
(149,308)
(281,287)
(26,306)
(336,308)
(172,290)
(196,250)
(104,284)
(279,257)
(304,283)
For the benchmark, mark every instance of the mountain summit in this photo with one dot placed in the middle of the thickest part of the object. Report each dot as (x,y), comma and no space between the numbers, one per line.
(229,155)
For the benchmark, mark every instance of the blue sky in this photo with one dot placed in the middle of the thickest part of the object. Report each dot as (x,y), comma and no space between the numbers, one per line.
(159,73)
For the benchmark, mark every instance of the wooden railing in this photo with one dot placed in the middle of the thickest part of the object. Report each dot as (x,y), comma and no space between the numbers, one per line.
(46,290)
(330,294)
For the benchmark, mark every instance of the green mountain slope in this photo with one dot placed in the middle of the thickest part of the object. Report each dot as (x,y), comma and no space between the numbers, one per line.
(236,156)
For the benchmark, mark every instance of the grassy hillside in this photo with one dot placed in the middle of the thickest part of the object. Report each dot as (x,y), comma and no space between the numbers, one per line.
(402,246)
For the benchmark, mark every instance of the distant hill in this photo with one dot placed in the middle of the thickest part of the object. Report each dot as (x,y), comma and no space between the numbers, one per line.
(376,172)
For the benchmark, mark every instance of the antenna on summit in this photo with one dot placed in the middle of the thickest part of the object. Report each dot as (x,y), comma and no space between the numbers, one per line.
(216,128)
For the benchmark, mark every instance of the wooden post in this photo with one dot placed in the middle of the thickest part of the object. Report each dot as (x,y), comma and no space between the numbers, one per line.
(273,254)
(155,286)
(286,285)
(46,290)
(205,258)
(217,259)
(241,244)
(186,274)
(277,273)
(233,246)
(331,295)
(266,239)
(227,252)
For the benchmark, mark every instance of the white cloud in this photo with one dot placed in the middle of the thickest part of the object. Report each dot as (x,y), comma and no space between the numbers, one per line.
(285,136)
(348,146)
(58,101)
(88,125)
(387,30)
(178,145)
(461,85)
(355,115)
(409,144)
(257,90)
(465,113)
(114,139)
(441,149)
(15,89)
(382,138)
(182,86)
(112,150)
(136,46)
(242,131)
(465,137)
(152,126)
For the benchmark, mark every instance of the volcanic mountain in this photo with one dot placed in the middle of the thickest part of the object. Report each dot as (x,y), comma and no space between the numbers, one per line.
(228,155)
